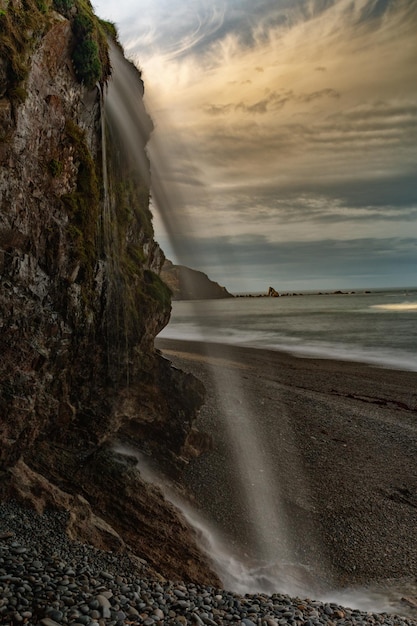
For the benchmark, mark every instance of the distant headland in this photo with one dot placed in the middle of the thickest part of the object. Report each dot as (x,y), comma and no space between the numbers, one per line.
(188,284)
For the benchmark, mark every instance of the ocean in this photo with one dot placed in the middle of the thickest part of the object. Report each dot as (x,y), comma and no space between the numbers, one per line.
(376,327)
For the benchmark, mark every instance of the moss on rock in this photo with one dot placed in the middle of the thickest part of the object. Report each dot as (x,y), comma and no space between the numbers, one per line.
(83,204)
(21,25)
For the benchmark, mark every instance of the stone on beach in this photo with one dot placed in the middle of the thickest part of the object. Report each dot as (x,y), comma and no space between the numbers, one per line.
(128,594)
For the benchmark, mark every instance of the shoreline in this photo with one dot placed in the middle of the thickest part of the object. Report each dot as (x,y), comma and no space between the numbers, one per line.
(398,382)
(342,438)
(334,354)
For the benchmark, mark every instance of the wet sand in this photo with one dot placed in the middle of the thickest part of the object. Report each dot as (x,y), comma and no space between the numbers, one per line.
(341,444)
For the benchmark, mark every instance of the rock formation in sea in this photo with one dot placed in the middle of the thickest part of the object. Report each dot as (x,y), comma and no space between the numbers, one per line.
(188,284)
(81,299)
(273,293)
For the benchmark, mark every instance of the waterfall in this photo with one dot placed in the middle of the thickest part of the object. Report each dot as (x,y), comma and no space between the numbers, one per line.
(117,346)
(272,565)
(241,577)
(273,562)
(105,174)
(126,115)
(235,573)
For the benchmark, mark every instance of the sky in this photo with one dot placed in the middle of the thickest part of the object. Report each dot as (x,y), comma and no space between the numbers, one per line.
(285,137)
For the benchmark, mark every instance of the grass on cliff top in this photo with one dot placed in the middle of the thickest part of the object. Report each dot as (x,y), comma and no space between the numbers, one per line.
(90,54)
(21,26)
(23,23)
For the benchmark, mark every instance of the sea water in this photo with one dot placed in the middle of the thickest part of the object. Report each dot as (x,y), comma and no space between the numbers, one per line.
(376,327)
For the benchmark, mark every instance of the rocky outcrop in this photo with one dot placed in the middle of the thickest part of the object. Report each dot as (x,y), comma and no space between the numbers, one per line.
(272,293)
(80,304)
(188,284)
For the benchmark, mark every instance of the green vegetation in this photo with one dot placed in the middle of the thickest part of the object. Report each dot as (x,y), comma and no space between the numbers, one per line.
(63,6)
(110,30)
(42,5)
(157,289)
(21,25)
(133,201)
(90,54)
(18,94)
(85,54)
(86,62)
(55,168)
(83,203)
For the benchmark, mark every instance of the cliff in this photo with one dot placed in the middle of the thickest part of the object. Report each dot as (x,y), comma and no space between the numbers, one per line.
(188,284)
(81,299)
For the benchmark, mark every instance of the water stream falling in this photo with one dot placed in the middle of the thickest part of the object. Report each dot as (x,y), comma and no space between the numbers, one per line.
(273,561)
(125,128)
(115,326)
(236,573)
(274,564)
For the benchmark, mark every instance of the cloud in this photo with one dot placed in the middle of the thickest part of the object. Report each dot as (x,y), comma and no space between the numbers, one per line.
(347,263)
(252,262)
(309,97)
(375,10)
(219,109)
(259,107)
(374,142)
(282,122)
(261,251)
(326,209)
(272,102)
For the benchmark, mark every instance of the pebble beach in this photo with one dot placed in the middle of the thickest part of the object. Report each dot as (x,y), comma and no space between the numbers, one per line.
(358,441)
(47,579)
(337,442)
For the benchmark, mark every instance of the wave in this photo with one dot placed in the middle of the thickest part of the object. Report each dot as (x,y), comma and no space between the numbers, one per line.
(400,360)
(402,306)
(390,358)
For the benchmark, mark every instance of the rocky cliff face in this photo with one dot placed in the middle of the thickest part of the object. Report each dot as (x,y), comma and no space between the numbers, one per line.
(80,304)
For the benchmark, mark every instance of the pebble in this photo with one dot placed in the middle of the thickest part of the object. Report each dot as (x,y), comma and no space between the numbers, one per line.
(78,585)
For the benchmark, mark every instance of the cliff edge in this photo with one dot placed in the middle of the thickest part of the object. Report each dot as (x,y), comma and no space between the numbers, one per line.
(81,299)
